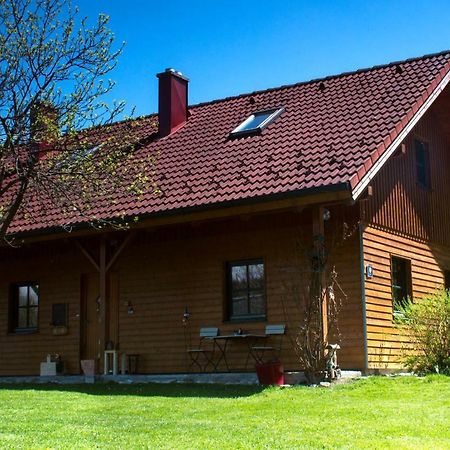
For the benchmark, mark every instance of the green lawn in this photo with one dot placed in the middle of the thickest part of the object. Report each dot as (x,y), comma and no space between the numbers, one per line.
(377,412)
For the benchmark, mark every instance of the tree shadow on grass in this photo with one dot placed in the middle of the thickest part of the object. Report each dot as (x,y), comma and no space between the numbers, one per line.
(144,390)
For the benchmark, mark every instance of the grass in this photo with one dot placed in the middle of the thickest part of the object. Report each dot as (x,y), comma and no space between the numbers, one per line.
(377,412)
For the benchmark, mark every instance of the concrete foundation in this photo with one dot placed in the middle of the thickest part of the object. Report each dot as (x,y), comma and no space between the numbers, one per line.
(291,378)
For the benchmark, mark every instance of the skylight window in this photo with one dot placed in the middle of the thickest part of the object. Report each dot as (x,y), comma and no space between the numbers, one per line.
(83,153)
(257,122)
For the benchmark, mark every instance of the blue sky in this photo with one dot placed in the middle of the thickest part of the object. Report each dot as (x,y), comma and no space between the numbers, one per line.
(231,47)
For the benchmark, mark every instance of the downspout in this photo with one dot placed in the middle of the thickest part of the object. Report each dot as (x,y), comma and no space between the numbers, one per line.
(363,296)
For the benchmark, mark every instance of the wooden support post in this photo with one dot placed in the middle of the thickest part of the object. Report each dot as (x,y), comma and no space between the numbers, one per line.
(108,309)
(103,299)
(124,243)
(319,247)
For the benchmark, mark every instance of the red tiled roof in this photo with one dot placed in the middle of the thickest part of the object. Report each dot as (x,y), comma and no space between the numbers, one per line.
(331,133)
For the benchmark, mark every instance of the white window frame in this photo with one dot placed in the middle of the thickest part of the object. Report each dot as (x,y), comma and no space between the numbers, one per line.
(240,131)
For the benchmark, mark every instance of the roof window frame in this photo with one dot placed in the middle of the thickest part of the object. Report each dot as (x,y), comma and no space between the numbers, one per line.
(274,114)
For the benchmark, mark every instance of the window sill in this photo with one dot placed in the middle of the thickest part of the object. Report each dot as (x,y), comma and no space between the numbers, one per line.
(246,319)
(244,133)
(20,331)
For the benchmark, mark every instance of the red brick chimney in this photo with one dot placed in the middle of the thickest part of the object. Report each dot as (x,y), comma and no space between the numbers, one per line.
(44,128)
(173,101)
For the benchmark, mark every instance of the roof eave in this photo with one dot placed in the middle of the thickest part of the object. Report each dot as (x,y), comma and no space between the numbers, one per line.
(339,192)
(409,121)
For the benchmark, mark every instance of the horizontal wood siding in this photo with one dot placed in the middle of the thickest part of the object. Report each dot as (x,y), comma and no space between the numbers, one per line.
(346,260)
(427,265)
(404,219)
(161,277)
(57,269)
(161,273)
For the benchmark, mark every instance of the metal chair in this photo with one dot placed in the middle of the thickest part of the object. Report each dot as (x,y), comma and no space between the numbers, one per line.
(275,335)
(203,355)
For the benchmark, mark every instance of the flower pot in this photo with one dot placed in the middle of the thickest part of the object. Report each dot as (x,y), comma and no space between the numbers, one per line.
(270,373)
(88,367)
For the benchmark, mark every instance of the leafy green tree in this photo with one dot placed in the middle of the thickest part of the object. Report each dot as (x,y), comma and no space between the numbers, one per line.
(53,65)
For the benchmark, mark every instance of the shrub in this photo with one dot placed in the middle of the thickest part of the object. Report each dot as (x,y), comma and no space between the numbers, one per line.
(426,323)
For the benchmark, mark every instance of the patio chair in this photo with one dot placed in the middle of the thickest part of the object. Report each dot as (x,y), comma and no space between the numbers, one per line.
(274,335)
(203,355)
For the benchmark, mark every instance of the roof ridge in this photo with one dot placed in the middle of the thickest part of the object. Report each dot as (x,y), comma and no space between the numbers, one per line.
(404,125)
(283,86)
(316,80)
(118,122)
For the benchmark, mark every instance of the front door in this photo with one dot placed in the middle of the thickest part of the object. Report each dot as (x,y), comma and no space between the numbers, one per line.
(91,328)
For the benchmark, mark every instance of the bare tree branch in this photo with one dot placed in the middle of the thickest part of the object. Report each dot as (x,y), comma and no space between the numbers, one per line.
(52,68)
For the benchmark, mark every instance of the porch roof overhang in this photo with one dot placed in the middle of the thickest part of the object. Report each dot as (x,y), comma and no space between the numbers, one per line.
(323,195)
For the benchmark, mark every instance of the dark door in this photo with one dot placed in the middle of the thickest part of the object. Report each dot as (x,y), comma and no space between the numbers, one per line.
(90,318)
(91,346)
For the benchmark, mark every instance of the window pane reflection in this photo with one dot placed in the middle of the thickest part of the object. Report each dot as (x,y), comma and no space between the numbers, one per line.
(22,319)
(256,276)
(33,295)
(23,295)
(247,296)
(239,277)
(33,318)
(26,306)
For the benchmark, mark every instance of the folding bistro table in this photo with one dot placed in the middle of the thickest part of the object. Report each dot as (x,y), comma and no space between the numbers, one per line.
(222,344)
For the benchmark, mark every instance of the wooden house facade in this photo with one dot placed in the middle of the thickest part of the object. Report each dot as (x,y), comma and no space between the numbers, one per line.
(361,159)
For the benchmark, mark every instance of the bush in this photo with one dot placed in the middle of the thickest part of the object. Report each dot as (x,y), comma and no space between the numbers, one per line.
(427,326)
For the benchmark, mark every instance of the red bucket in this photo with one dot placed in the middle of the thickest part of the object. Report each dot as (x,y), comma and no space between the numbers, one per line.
(270,373)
